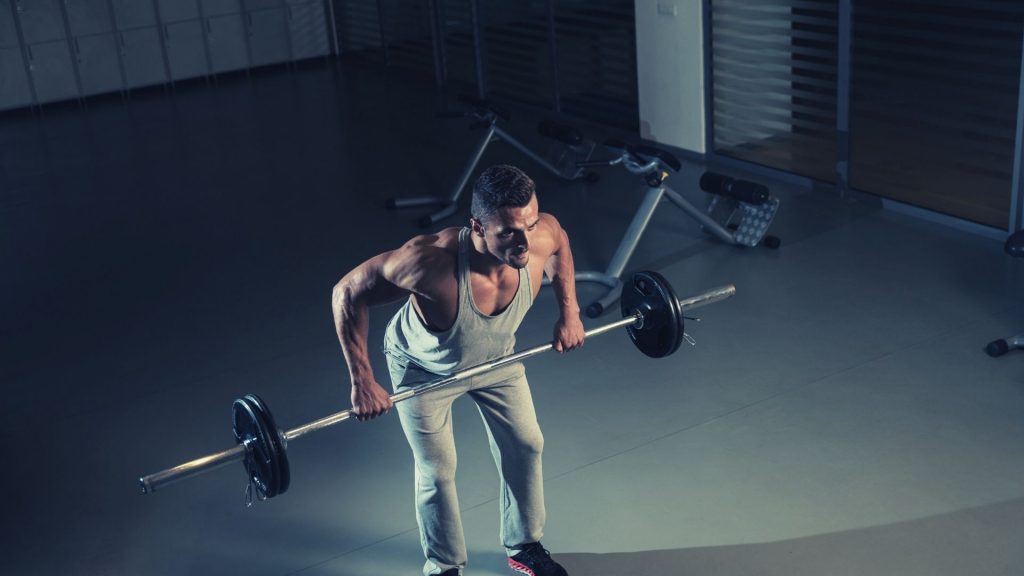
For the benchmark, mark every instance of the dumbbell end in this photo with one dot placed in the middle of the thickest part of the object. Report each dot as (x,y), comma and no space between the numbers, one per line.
(772,242)
(144,486)
(390,204)
(594,310)
(997,348)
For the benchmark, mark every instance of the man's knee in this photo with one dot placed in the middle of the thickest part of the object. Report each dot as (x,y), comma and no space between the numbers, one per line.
(438,471)
(531,443)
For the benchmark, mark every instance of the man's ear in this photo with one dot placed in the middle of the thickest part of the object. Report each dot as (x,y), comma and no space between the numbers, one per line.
(476,226)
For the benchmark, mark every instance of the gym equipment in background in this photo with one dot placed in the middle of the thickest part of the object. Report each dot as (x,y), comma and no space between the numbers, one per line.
(568,150)
(739,214)
(1015,248)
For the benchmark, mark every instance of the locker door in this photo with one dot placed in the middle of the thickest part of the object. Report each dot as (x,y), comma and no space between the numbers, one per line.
(263,4)
(134,13)
(226,36)
(41,20)
(221,7)
(268,37)
(178,10)
(52,71)
(8,33)
(143,57)
(14,87)
(87,17)
(308,27)
(185,49)
(98,67)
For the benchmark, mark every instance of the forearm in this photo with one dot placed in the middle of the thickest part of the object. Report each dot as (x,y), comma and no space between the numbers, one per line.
(351,322)
(563,279)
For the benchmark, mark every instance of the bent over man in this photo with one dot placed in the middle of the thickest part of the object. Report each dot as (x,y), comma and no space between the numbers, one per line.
(467,291)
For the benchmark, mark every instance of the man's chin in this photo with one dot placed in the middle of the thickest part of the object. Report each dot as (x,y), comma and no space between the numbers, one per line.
(518,263)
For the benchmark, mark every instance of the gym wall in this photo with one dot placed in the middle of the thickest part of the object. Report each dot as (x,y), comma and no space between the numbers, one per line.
(54,50)
(576,57)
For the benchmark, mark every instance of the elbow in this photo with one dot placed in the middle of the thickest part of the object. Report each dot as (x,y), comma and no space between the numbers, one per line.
(342,295)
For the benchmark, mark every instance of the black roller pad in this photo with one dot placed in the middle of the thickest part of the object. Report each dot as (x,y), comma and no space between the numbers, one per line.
(266,462)
(662,330)
(742,190)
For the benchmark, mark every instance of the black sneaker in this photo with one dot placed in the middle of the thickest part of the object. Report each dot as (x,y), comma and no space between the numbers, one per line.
(451,572)
(534,560)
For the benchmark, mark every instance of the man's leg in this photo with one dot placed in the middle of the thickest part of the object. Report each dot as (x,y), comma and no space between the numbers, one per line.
(506,406)
(427,422)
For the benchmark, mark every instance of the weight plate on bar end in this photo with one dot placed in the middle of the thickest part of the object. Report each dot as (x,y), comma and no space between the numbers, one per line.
(283,467)
(264,457)
(662,330)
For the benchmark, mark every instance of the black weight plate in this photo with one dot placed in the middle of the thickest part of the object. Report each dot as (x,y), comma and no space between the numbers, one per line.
(662,330)
(261,459)
(283,467)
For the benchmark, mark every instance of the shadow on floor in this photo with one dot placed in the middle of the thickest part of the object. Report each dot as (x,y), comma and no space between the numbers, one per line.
(975,541)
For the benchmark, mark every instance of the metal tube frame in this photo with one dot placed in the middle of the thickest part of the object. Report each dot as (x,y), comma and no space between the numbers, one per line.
(240,451)
(494,133)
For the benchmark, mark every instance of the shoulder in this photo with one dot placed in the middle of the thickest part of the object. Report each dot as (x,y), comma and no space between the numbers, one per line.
(422,258)
(550,233)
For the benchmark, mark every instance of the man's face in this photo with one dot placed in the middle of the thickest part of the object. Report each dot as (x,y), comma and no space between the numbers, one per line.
(508,231)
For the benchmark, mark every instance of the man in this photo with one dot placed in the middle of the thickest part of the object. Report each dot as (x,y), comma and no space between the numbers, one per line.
(468,290)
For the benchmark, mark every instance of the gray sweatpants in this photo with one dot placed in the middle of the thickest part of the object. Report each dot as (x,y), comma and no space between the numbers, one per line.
(504,401)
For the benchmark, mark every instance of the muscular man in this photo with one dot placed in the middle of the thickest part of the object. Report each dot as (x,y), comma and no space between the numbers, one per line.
(468,290)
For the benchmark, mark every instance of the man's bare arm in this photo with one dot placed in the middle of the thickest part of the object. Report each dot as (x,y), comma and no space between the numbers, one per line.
(559,267)
(381,279)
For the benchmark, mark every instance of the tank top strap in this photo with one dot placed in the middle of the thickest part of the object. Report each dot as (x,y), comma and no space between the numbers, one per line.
(463,265)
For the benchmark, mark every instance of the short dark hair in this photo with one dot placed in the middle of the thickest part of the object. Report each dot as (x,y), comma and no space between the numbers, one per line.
(499,187)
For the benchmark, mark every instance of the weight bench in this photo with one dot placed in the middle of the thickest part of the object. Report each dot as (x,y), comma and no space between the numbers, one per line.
(1015,248)
(562,160)
(739,214)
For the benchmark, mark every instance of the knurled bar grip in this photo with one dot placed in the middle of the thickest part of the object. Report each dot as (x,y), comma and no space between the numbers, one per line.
(160,479)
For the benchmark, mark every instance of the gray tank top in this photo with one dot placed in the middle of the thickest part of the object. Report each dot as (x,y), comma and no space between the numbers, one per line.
(473,339)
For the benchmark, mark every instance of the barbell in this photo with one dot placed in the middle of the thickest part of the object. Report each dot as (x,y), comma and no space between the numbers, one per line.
(652,315)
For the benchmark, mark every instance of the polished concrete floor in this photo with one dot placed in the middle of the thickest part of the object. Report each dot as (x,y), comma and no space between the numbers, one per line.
(165,255)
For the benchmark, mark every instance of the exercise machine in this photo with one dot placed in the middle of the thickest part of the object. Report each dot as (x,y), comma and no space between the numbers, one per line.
(569,149)
(739,213)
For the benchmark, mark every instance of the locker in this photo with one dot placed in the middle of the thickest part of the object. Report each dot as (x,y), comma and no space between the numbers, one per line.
(263,4)
(8,32)
(268,37)
(143,57)
(178,10)
(53,74)
(14,88)
(186,52)
(308,26)
(221,7)
(98,64)
(131,14)
(227,43)
(87,17)
(41,20)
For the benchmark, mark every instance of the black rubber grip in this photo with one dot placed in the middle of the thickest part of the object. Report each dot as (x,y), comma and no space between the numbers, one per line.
(561,132)
(742,190)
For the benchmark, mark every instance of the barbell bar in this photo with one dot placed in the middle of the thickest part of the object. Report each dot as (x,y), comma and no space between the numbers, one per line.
(652,315)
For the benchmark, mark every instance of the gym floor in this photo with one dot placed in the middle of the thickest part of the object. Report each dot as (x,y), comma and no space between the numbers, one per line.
(165,255)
